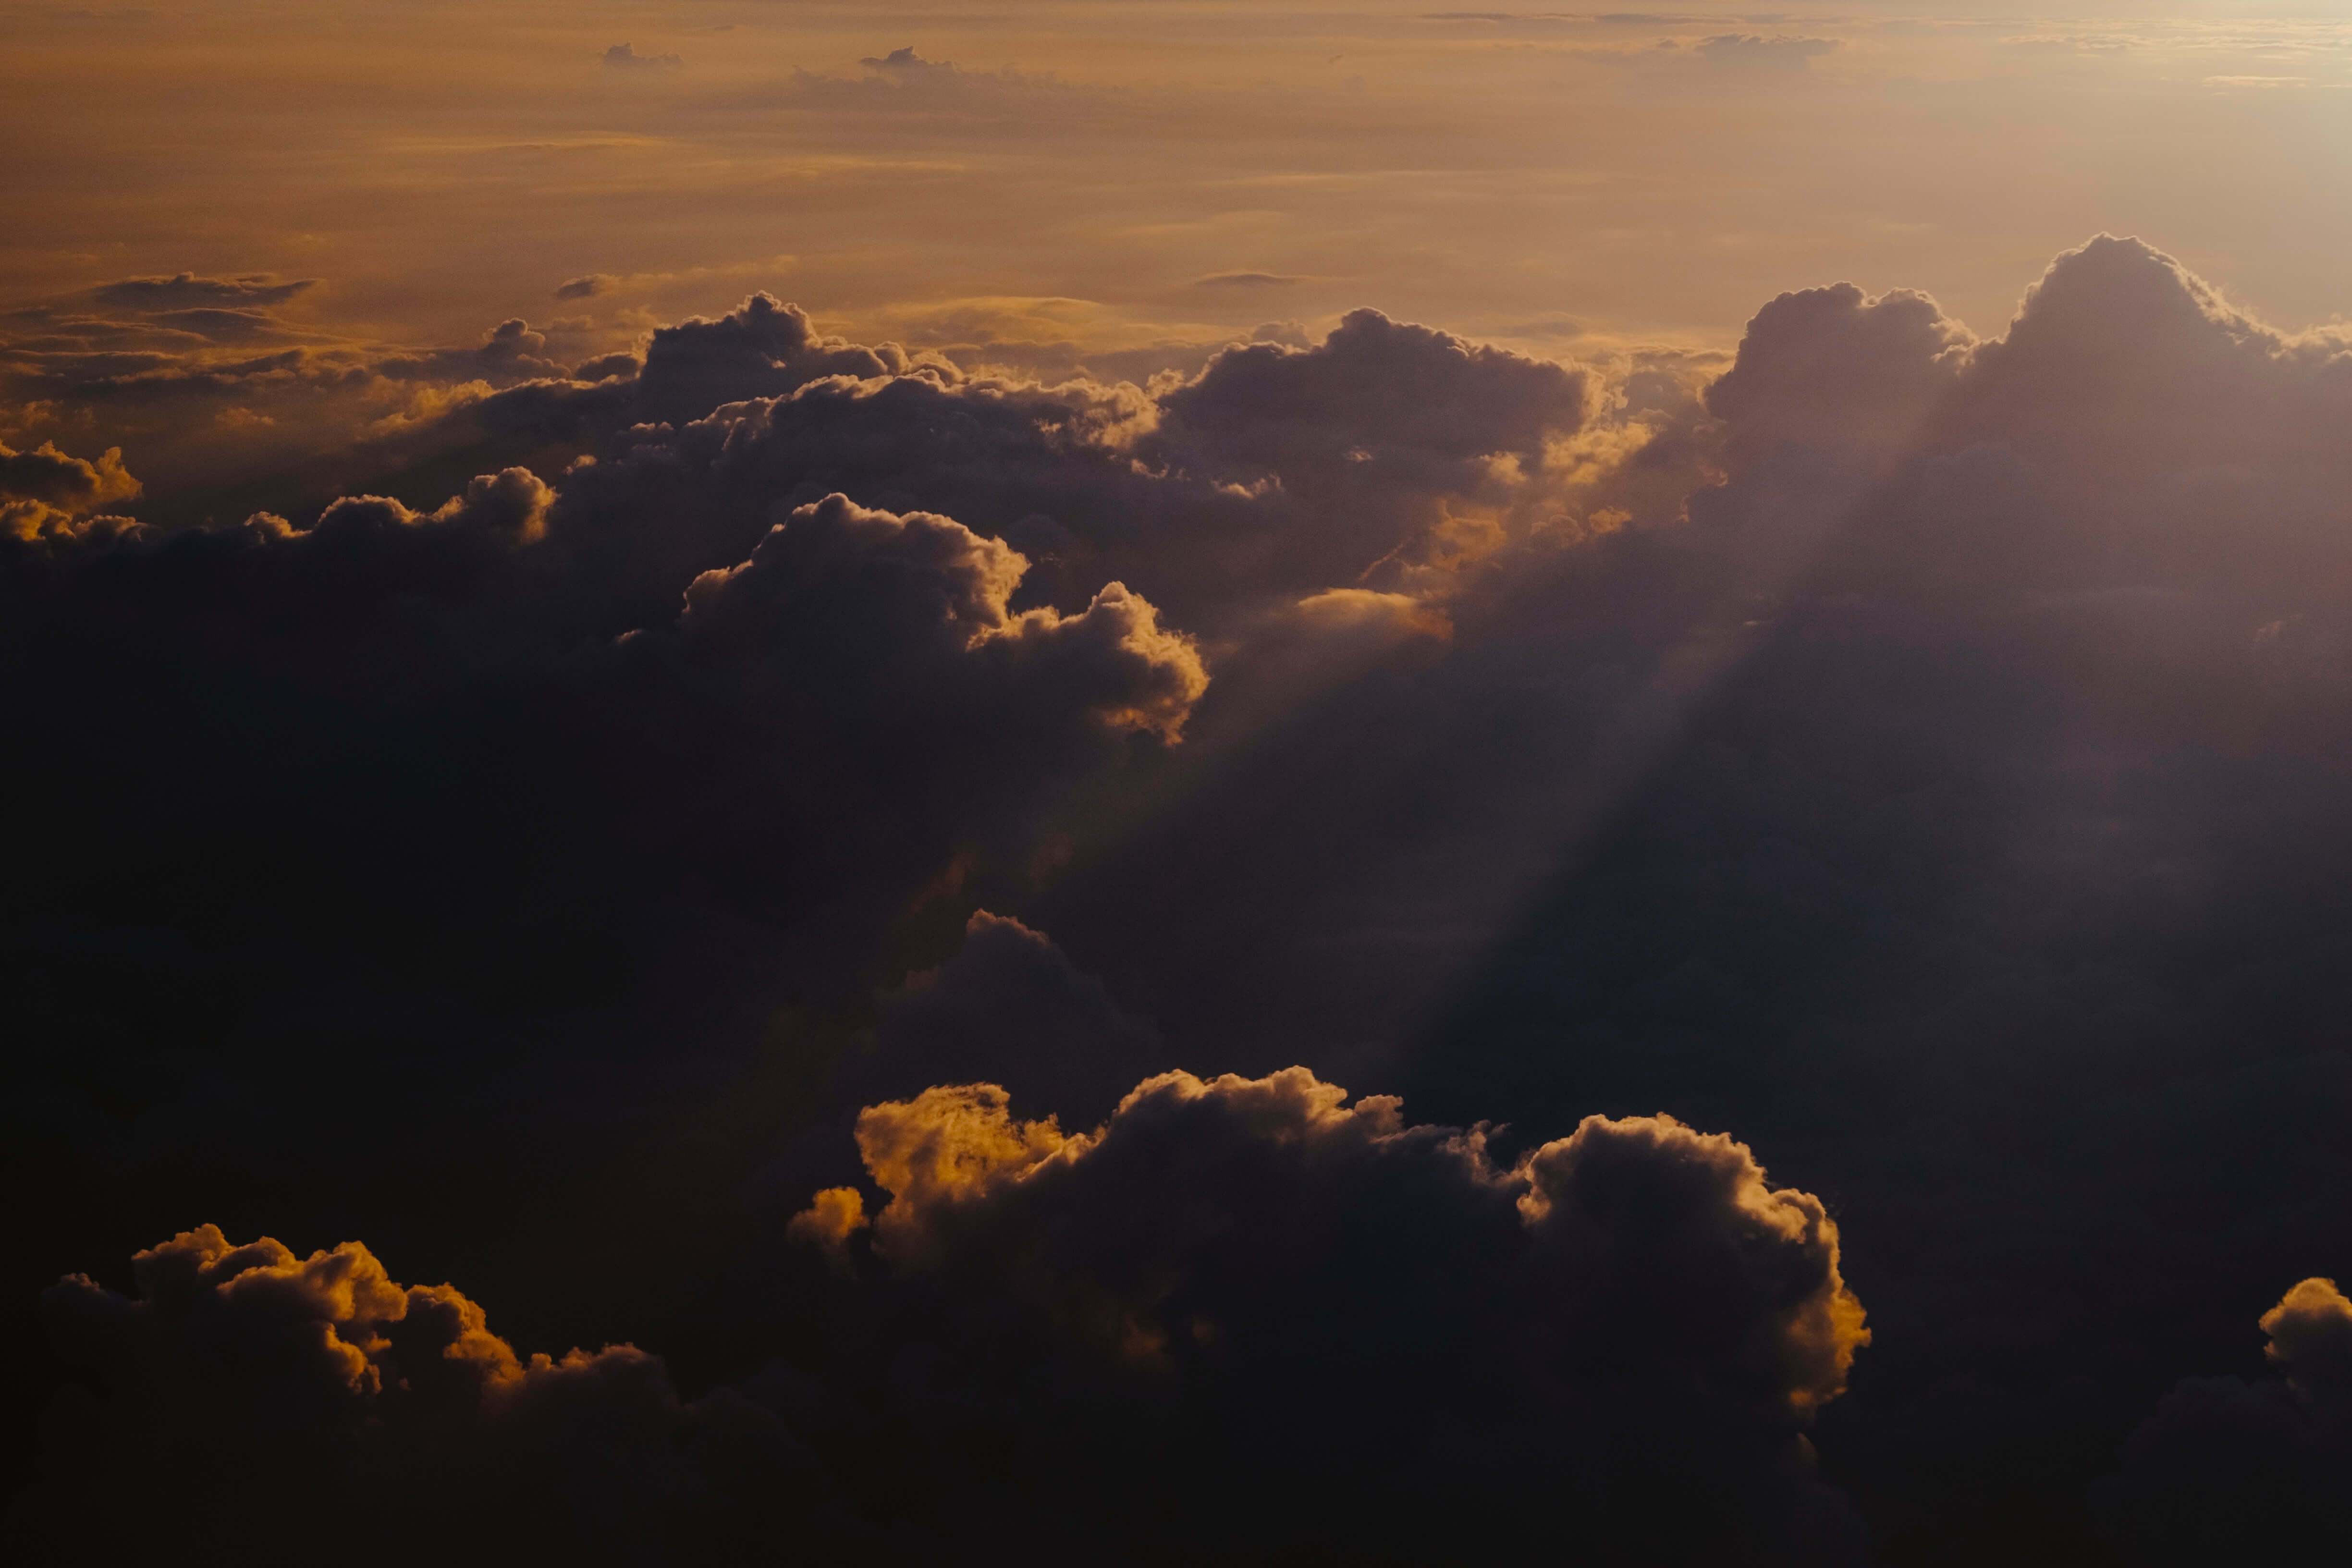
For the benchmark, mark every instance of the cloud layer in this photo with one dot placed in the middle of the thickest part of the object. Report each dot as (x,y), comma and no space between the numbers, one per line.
(631,784)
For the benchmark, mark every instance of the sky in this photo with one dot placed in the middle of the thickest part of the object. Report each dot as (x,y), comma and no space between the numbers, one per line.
(1202,782)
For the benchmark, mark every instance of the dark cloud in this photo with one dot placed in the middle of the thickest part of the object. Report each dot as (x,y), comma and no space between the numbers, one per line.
(1618,1339)
(187,290)
(512,338)
(1781,51)
(624,58)
(586,287)
(1371,392)
(222,326)
(2231,1470)
(903,62)
(43,489)
(1367,433)
(764,350)
(1615,1341)
(899,595)
(1009,1003)
(427,779)
(1245,281)
(1277,471)
(1834,371)
(2005,832)
(261,1402)
(904,89)
(50,477)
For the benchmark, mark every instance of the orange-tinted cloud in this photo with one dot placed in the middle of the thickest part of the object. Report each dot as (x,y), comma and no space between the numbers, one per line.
(44,491)
(1260,1249)
(258,1399)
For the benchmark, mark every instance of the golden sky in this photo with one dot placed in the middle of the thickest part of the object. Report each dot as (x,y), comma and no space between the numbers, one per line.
(1121,175)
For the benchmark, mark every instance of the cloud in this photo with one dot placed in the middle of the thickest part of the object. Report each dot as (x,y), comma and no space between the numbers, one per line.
(909,90)
(1009,1003)
(187,290)
(1778,52)
(903,62)
(1272,403)
(295,403)
(1245,281)
(49,475)
(624,58)
(1835,370)
(586,287)
(947,597)
(512,338)
(764,350)
(1628,1319)
(701,800)
(1918,750)
(2227,1468)
(45,489)
(1622,1334)
(2013,710)
(260,1399)
(1369,428)
(221,325)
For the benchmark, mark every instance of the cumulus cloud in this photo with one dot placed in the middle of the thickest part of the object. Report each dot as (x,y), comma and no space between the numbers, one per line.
(1009,1003)
(43,489)
(1834,370)
(1352,428)
(901,89)
(2231,1469)
(1402,1346)
(948,595)
(1048,466)
(1374,389)
(49,475)
(1621,1335)
(2010,779)
(2117,434)
(764,350)
(698,804)
(903,62)
(513,503)
(261,1400)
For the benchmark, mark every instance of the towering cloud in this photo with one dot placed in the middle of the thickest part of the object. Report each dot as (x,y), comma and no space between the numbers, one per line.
(1325,1328)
